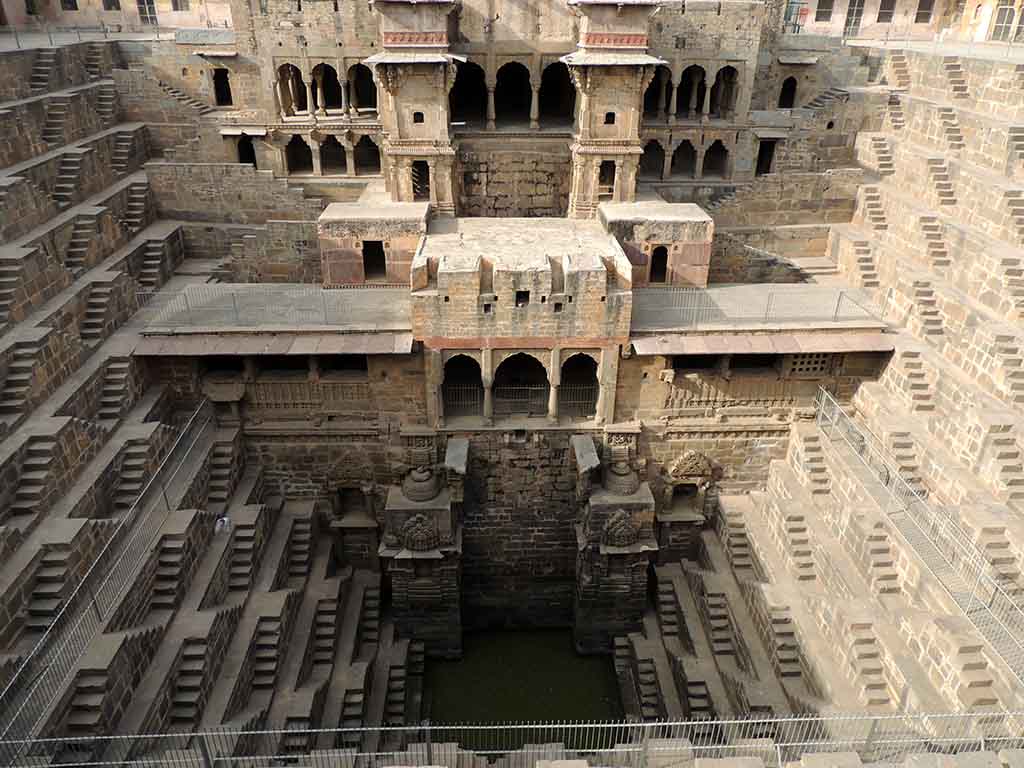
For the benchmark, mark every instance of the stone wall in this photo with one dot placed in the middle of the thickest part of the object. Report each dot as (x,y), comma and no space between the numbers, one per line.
(792,198)
(513,177)
(731,262)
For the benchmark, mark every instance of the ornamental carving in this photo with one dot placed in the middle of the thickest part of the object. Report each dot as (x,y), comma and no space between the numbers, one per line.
(614,40)
(414,38)
(421,484)
(690,464)
(619,530)
(419,534)
(581,79)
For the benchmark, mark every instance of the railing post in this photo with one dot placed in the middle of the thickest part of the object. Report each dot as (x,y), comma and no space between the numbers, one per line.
(430,746)
(204,750)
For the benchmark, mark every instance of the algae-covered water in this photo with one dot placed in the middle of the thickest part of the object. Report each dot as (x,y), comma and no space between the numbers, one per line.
(513,675)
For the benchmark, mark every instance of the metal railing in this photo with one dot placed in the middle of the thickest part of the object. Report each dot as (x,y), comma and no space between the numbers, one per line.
(655,308)
(776,741)
(577,400)
(48,35)
(260,305)
(462,399)
(42,675)
(940,542)
(521,400)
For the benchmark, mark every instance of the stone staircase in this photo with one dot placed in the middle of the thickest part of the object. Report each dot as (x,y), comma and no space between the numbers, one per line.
(14,395)
(68,172)
(243,557)
(647,690)
(732,532)
(950,127)
(85,712)
(42,68)
(168,574)
(10,280)
(151,274)
(265,652)
(34,477)
(299,548)
(907,378)
(82,235)
(106,103)
(926,309)
(719,625)
(872,209)
(1005,564)
(138,205)
(133,474)
(894,109)
(369,619)
(94,325)
(826,99)
(47,598)
(698,701)
(1016,142)
(197,107)
(114,394)
(124,150)
(955,75)
(883,155)
(668,614)
(94,61)
(900,69)
(56,116)
(1014,199)
(935,243)
(942,185)
(353,714)
(394,701)
(187,700)
(864,664)
(221,465)
(867,272)
(325,632)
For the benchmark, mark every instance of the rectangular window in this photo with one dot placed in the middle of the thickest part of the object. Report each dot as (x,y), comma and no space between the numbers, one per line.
(179,5)
(886,9)
(111,5)
(69,5)
(810,365)
(924,11)
(824,11)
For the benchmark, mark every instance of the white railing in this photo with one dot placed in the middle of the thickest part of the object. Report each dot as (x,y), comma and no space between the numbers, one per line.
(933,531)
(43,673)
(776,741)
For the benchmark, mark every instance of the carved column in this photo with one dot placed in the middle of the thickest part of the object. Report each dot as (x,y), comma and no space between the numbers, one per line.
(535,109)
(666,170)
(318,89)
(344,96)
(490,106)
(706,111)
(619,186)
(487,378)
(350,160)
(309,96)
(314,148)
(673,101)
(432,182)
(293,89)
(556,380)
(698,166)
(279,97)
(694,85)
(663,83)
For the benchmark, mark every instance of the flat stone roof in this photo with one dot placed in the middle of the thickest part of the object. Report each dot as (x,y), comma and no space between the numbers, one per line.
(654,210)
(375,210)
(517,244)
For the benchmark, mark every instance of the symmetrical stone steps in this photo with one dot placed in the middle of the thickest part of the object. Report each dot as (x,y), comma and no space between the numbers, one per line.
(221,472)
(883,155)
(872,208)
(82,235)
(196,106)
(106,103)
(68,172)
(11,276)
(719,625)
(133,474)
(94,61)
(48,589)
(926,315)
(85,713)
(138,206)
(18,383)
(42,68)
(395,699)
(369,619)
(807,460)
(1014,201)
(867,272)
(94,325)
(900,69)
(894,109)
(864,660)
(325,632)
(170,561)
(243,557)
(955,75)
(935,243)
(266,644)
(1016,137)
(34,478)
(124,151)
(114,395)
(732,532)
(151,274)
(299,544)
(648,690)
(668,608)
(56,116)
(353,714)
(942,185)
(698,702)
(950,127)
(186,701)
(826,98)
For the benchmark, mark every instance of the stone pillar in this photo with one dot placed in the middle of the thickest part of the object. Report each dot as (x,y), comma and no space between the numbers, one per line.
(293,90)
(350,160)
(490,106)
(434,376)
(279,97)
(663,82)
(432,182)
(535,109)
(314,368)
(629,185)
(698,166)
(249,366)
(666,170)
(673,101)
(309,96)
(487,378)
(619,187)
(344,96)
(314,147)
(694,85)
(318,88)
(707,103)
(556,380)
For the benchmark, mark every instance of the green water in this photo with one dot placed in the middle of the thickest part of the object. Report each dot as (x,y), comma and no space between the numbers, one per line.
(521,675)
